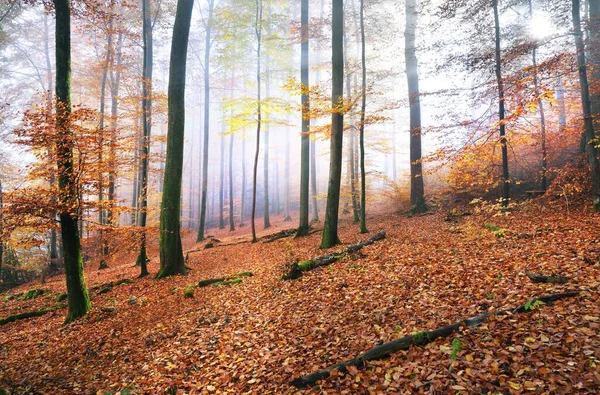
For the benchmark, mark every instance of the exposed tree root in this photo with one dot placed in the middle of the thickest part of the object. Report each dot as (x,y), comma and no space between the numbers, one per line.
(418,339)
(28,314)
(294,270)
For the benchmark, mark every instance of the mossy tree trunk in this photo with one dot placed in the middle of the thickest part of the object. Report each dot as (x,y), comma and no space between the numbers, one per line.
(78,298)
(330,226)
(171,252)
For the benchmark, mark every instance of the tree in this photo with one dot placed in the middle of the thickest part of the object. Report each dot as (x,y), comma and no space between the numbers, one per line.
(171,251)
(502,124)
(363,184)
(417,189)
(258,32)
(207,45)
(303,226)
(77,294)
(142,258)
(330,226)
(585,104)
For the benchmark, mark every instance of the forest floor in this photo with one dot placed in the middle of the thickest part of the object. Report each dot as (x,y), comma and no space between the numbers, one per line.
(257,335)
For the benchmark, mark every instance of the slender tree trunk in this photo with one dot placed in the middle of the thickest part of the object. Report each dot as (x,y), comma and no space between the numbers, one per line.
(594,58)
(2,227)
(394,165)
(417,189)
(350,163)
(77,294)
(142,258)
(222,177)
(266,214)
(53,243)
(101,217)
(231,215)
(115,77)
(171,251)
(363,187)
(562,111)
(136,174)
(330,226)
(286,181)
(313,152)
(243,197)
(304,226)
(500,82)
(540,104)
(585,103)
(258,29)
(205,148)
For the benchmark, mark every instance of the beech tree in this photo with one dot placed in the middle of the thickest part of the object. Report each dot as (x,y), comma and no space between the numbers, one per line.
(77,294)
(330,227)
(171,251)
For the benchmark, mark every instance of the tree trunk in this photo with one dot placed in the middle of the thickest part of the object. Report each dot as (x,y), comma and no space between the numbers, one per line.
(115,77)
(585,103)
(417,189)
(258,29)
(266,214)
(53,243)
(594,58)
(171,252)
(500,82)
(562,111)
(243,197)
(231,215)
(330,227)
(286,182)
(78,297)
(351,158)
(207,44)
(540,104)
(303,225)
(363,184)
(222,176)
(142,258)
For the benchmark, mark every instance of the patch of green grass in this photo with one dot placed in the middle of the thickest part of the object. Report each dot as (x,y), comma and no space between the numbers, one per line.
(492,227)
(33,293)
(532,305)
(490,296)
(188,292)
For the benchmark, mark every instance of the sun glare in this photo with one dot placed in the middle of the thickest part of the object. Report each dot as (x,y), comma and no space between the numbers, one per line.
(540,26)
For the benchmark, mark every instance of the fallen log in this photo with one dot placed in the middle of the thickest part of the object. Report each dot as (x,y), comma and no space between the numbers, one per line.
(538,278)
(294,270)
(21,316)
(227,280)
(418,339)
(278,235)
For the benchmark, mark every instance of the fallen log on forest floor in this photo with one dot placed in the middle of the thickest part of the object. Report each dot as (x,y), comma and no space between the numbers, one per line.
(295,269)
(227,280)
(538,278)
(27,314)
(419,339)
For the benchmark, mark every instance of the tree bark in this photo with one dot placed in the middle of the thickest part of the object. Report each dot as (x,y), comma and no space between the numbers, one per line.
(330,227)
(142,258)
(417,189)
(258,30)
(207,44)
(350,165)
(502,128)
(363,180)
(231,136)
(78,297)
(303,224)
(222,178)
(243,197)
(171,252)
(585,103)
(266,213)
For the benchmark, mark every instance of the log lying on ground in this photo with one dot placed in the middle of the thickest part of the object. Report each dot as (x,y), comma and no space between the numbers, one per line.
(418,339)
(278,235)
(294,270)
(227,280)
(28,314)
(538,278)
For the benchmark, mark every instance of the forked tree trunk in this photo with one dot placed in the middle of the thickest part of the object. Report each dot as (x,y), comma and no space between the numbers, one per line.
(171,252)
